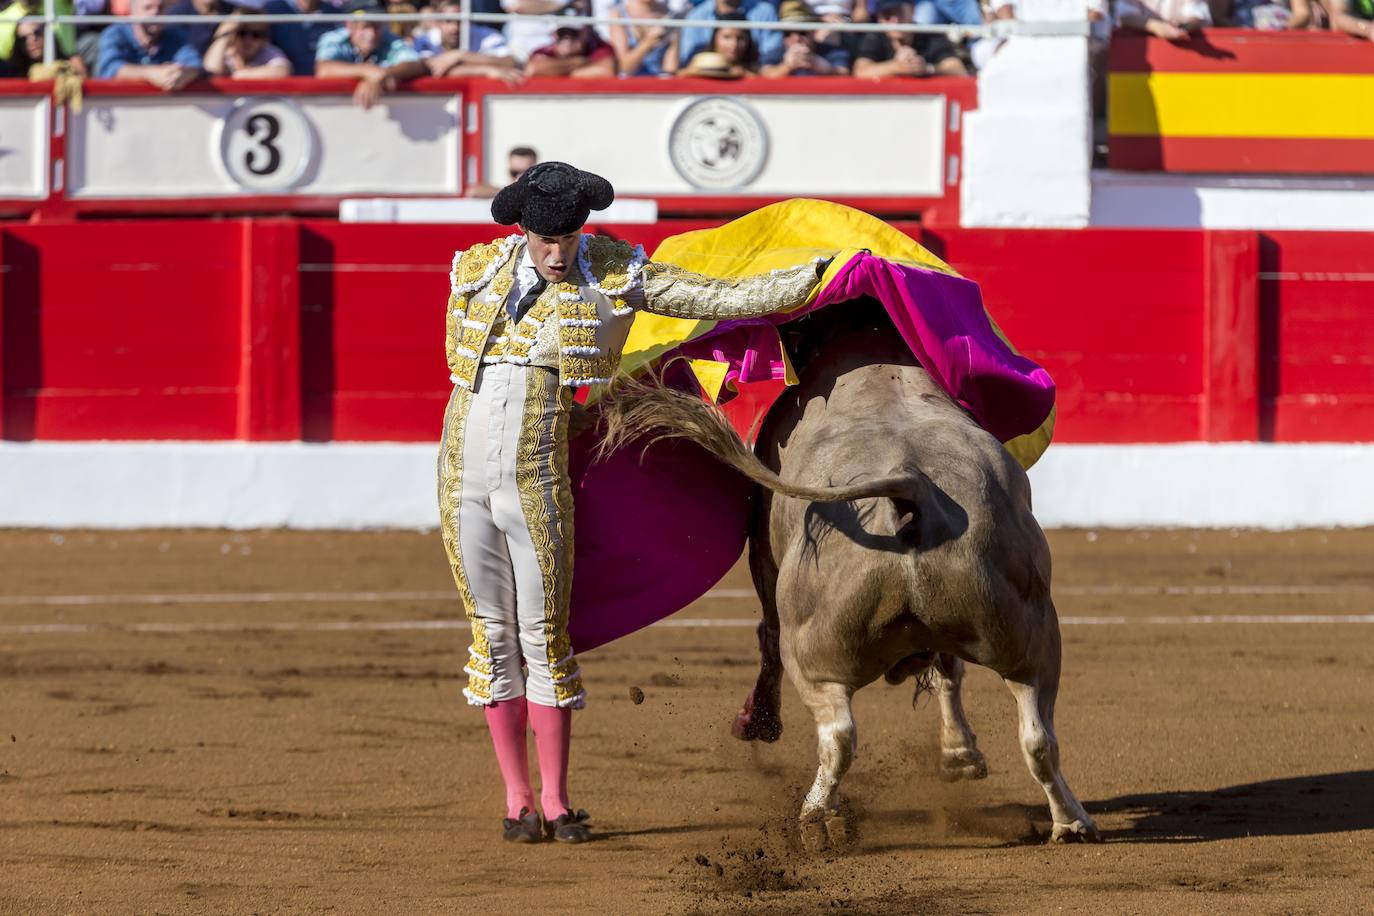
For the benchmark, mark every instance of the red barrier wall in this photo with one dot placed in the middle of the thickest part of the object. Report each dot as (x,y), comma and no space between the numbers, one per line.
(317,330)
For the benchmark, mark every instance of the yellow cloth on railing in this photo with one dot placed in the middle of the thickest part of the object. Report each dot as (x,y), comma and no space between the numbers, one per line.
(66,82)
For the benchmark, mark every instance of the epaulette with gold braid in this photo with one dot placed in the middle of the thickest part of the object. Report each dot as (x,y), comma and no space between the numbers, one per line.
(610,266)
(475,267)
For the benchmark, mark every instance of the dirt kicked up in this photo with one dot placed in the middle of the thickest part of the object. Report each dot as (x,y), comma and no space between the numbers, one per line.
(272,722)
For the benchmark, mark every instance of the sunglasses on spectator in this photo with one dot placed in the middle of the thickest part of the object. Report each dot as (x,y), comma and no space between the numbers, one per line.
(252,33)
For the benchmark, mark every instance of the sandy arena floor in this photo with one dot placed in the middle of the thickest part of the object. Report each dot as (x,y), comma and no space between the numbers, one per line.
(224,765)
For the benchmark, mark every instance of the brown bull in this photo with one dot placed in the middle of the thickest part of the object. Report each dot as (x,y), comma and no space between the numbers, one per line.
(902,543)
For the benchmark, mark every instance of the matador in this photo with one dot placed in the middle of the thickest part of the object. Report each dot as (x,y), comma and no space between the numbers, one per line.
(531,319)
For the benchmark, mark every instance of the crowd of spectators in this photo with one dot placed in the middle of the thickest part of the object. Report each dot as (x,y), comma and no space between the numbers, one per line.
(379,57)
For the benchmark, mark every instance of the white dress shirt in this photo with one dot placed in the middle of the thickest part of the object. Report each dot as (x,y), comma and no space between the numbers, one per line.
(525,277)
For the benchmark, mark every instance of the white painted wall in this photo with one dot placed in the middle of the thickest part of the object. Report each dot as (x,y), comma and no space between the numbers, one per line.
(239,485)
(158,147)
(1143,200)
(899,139)
(1028,146)
(24,147)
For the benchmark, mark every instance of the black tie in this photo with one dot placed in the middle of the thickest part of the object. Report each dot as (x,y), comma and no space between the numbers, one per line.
(529,298)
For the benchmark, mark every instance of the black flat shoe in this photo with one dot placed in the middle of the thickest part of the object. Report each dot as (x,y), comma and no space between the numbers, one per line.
(527,828)
(570,828)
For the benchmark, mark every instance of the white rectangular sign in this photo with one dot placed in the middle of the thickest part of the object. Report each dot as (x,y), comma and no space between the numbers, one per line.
(773,145)
(186,146)
(24,147)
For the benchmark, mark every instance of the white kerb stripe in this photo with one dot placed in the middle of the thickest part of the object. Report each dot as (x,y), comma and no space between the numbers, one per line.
(715,594)
(312,626)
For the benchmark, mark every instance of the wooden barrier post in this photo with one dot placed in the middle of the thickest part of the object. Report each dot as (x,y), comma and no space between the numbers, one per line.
(269,402)
(1230,336)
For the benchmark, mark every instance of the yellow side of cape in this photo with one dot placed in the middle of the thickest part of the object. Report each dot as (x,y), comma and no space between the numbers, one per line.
(778,236)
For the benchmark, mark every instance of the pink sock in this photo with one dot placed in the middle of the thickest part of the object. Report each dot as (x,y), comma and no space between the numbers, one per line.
(552,739)
(506,721)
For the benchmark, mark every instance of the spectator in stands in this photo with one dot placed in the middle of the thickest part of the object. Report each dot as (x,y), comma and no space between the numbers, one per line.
(643,50)
(1267,15)
(905,53)
(199,35)
(65,36)
(490,56)
(838,11)
(528,35)
(732,55)
(519,161)
(1353,17)
(1168,19)
(148,51)
(299,41)
(88,36)
(25,50)
(241,50)
(576,51)
(802,54)
(947,12)
(768,41)
(372,55)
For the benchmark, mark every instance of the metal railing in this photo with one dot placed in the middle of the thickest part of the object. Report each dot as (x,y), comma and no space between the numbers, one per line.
(1000,28)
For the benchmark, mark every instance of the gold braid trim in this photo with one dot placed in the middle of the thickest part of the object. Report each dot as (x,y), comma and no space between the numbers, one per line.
(450,473)
(466,344)
(556,570)
(679,293)
(473,269)
(610,262)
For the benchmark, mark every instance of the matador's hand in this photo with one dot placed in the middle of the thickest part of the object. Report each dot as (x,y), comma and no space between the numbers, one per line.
(581,421)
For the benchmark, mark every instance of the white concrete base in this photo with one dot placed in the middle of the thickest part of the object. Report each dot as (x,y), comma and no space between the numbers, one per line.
(455,210)
(1195,485)
(353,485)
(1140,200)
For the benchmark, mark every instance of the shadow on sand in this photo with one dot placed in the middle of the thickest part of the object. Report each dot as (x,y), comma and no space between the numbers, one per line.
(1295,806)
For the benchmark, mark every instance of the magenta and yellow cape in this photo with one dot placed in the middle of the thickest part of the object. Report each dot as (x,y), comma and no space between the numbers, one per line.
(653,536)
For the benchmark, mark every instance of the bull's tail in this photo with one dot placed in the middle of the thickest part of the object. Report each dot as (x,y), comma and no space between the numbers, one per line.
(653,412)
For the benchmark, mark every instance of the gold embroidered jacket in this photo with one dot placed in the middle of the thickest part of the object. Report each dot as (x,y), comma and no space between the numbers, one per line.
(578,326)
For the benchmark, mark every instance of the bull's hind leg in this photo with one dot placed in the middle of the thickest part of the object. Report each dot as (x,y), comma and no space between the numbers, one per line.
(1035,695)
(822,824)
(959,754)
(761,717)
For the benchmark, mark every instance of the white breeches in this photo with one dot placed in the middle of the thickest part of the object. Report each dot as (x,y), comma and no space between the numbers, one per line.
(505,507)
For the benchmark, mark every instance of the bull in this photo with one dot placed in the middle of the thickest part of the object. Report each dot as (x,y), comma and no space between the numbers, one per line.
(893,538)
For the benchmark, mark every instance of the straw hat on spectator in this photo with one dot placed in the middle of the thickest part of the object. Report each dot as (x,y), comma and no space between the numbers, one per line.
(711,65)
(796,11)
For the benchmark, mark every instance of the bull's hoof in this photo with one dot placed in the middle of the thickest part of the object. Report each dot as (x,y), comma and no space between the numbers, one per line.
(759,724)
(964,763)
(1084,831)
(827,832)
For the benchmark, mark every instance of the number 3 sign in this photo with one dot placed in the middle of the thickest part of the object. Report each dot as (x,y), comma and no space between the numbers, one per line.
(266,144)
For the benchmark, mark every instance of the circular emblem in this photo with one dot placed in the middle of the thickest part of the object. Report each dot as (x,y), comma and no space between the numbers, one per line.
(266,144)
(718,144)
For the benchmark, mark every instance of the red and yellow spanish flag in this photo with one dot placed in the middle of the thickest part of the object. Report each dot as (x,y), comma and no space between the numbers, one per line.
(1231,100)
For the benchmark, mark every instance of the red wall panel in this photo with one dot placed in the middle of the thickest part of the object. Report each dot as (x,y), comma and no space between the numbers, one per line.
(320,330)
(1317,330)
(372,323)
(1114,315)
(127,332)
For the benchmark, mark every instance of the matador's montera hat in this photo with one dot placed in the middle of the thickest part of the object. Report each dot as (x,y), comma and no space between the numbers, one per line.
(552,198)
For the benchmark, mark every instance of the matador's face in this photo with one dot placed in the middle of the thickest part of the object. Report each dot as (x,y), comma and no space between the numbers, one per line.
(553,255)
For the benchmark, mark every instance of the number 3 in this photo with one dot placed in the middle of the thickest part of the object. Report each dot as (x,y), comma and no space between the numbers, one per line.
(262,129)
